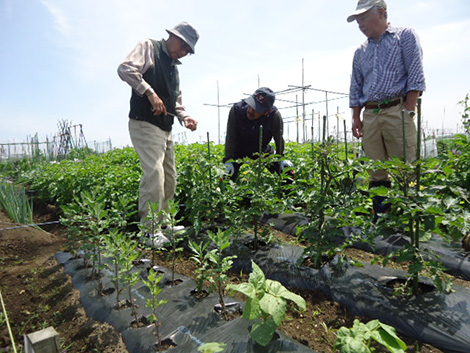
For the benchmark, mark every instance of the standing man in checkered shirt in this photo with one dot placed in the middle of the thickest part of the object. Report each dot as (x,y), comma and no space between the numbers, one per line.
(387,78)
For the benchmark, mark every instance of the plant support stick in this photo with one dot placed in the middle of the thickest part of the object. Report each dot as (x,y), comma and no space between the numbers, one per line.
(8,323)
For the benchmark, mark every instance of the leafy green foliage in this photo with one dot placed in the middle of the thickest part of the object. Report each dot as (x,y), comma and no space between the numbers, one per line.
(128,254)
(175,238)
(267,302)
(199,251)
(113,175)
(153,302)
(358,338)
(16,204)
(465,113)
(422,206)
(329,187)
(212,347)
(201,185)
(219,264)
(113,245)
(87,220)
(333,202)
(255,192)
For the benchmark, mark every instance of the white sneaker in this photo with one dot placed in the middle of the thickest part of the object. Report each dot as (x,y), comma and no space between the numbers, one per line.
(157,240)
(174,229)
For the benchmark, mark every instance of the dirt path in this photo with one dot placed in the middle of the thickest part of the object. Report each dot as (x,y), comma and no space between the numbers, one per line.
(38,294)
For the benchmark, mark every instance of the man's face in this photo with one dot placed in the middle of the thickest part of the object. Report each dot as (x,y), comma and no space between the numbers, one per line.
(177,47)
(372,23)
(253,115)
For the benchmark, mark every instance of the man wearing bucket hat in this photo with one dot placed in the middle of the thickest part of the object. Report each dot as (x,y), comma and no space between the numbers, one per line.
(387,78)
(243,131)
(151,71)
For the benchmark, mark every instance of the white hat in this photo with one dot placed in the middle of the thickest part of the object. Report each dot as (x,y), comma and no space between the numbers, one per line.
(364,6)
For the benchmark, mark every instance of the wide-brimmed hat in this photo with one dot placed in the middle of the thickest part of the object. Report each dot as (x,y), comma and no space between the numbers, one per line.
(365,5)
(187,33)
(262,100)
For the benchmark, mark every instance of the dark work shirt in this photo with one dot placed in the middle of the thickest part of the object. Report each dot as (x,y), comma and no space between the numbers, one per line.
(242,139)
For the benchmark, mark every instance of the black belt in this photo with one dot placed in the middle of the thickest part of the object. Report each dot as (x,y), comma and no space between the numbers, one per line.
(384,104)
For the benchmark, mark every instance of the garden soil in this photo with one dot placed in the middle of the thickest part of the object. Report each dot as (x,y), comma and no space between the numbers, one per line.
(38,294)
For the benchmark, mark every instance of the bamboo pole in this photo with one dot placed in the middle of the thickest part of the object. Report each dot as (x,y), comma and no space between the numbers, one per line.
(8,323)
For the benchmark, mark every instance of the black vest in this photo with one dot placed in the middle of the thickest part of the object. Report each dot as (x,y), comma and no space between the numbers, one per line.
(164,79)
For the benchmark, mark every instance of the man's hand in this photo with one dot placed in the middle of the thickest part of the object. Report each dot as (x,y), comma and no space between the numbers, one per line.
(357,122)
(158,107)
(190,123)
(357,128)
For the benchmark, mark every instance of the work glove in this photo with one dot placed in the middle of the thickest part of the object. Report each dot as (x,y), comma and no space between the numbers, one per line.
(286,164)
(229,168)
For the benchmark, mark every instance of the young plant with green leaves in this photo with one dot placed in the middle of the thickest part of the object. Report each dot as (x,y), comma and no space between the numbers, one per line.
(201,186)
(87,220)
(175,237)
(267,303)
(219,264)
(151,225)
(16,204)
(199,256)
(212,347)
(153,302)
(115,241)
(332,203)
(128,254)
(358,339)
(255,192)
(466,113)
(422,205)
(420,208)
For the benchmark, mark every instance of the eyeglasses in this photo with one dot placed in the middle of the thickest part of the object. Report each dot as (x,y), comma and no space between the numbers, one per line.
(185,47)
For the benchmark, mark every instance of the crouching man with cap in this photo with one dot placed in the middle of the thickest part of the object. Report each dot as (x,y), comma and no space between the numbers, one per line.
(151,71)
(387,78)
(243,131)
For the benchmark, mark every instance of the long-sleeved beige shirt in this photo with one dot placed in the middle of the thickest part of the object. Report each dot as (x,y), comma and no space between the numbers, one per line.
(134,66)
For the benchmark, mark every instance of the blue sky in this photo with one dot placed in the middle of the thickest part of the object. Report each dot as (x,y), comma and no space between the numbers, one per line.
(59,60)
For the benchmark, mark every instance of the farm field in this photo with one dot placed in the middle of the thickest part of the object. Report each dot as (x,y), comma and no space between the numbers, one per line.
(317,238)
(38,294)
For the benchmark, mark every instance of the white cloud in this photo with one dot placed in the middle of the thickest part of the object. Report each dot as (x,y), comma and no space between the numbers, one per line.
(61,20)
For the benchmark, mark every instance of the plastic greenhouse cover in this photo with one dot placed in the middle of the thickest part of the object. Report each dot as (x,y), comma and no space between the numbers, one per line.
(186,320)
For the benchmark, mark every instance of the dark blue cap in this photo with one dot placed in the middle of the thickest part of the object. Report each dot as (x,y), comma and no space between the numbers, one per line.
(262,100)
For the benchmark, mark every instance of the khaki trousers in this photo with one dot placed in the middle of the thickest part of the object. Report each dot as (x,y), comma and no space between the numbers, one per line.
(156,152)
(383,137)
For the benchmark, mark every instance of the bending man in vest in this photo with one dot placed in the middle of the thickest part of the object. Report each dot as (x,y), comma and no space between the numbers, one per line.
(151,71)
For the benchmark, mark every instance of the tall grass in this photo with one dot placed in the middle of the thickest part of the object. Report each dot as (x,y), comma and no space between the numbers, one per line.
(16,204)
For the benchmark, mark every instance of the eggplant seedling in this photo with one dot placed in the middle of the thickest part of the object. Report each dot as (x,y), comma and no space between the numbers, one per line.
(267,303)
(358,338)
(128,254)
(153,302)
(220,264)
